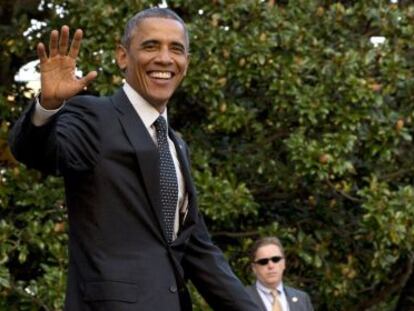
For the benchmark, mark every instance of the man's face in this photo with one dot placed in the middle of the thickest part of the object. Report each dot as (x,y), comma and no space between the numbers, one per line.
(271,274)
(156,60)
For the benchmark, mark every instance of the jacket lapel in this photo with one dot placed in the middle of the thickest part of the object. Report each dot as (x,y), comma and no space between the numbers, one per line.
(291,299)
(145,149)
(147,156)
(185,165)
(189,184)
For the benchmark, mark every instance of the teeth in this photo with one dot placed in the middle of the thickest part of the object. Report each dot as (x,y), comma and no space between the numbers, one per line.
(161,74)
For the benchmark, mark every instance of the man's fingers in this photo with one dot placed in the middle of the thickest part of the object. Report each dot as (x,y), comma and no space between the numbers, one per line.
(64,40)
(88,78)
(53,43)
(41,52)
(59,43)
(76,42)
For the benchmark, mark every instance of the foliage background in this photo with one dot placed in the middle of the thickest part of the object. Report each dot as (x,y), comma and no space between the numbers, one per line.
(298,126)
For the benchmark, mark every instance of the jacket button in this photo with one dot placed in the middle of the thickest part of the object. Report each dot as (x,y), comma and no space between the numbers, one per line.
(173,288)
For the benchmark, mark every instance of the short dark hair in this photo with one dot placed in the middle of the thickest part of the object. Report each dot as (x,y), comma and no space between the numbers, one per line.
(270,240)
(148,13)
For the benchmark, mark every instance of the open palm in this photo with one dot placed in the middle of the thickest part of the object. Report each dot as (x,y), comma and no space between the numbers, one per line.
(57,71)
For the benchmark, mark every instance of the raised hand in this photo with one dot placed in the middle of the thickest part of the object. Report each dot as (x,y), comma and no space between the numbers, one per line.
(57,71)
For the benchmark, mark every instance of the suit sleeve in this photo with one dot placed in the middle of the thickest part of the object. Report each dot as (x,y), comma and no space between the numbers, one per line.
(209,271)
(68,141)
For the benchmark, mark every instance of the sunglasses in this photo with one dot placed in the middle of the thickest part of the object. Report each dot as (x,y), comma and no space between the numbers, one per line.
(265,261)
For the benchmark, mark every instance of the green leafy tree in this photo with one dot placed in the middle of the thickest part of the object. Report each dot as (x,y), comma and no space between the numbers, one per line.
(299,127)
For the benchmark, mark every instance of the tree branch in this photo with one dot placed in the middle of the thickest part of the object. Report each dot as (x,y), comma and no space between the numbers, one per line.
(399,173)
(235,234)
(35,300)
(343,193)
(396,285)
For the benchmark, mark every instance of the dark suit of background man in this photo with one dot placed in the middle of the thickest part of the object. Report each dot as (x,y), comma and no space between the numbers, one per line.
(268,264)
(122,257)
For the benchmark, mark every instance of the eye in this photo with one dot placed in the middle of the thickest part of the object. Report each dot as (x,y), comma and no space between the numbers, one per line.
(150,47)
(178,49)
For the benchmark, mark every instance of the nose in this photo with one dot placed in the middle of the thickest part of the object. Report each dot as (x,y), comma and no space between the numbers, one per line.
(271,264)
(164,56)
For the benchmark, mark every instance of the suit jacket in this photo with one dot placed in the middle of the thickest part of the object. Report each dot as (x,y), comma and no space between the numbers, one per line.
(298,300)
(119,258)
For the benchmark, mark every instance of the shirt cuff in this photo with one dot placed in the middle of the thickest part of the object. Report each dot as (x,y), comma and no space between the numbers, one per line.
(41,115)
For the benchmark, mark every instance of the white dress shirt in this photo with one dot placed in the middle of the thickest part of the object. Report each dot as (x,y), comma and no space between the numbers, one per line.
(148,115)
(267,298)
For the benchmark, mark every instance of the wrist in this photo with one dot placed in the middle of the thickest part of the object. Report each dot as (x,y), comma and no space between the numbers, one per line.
(50,104)
(41,115)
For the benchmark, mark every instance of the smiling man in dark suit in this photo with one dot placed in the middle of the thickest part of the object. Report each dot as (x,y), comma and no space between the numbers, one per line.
(135,232)
(268,265)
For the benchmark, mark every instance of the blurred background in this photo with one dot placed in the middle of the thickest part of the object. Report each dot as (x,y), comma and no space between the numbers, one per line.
(299,115)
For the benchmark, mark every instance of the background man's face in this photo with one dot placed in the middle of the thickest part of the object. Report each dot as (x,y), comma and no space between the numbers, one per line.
(269,275)
(156,60)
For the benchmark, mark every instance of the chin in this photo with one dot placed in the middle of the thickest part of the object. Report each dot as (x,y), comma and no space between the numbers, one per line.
(160,100)
(274,284)
(273,281)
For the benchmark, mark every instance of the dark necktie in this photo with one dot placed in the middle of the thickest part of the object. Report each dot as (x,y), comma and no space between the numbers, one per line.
(168,178)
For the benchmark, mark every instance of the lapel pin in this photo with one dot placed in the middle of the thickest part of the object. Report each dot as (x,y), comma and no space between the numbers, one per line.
(295,299)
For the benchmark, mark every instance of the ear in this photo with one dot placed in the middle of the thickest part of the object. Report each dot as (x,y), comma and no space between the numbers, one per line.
(121,57)
(253,268)
(188,63)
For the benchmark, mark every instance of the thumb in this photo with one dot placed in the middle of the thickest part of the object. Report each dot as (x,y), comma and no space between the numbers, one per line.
(88,78)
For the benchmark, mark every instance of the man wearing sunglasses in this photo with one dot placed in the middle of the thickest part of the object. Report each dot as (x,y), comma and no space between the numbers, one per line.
(269,292)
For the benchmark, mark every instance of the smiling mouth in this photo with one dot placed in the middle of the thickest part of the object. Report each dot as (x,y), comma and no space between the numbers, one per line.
(165,75)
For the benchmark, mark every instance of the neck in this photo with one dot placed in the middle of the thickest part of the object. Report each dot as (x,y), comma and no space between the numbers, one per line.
(270,286)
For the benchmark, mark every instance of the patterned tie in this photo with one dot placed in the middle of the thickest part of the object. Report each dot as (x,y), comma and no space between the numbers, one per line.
(168,178)
(276,303)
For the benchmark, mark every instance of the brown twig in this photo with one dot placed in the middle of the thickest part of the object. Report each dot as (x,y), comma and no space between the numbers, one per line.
(396,174)
(343,193)
(393,287)
(34,299)
(235,234)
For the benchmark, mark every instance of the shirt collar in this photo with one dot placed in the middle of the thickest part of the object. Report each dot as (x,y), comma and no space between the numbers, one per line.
(267,290)
(145,110)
